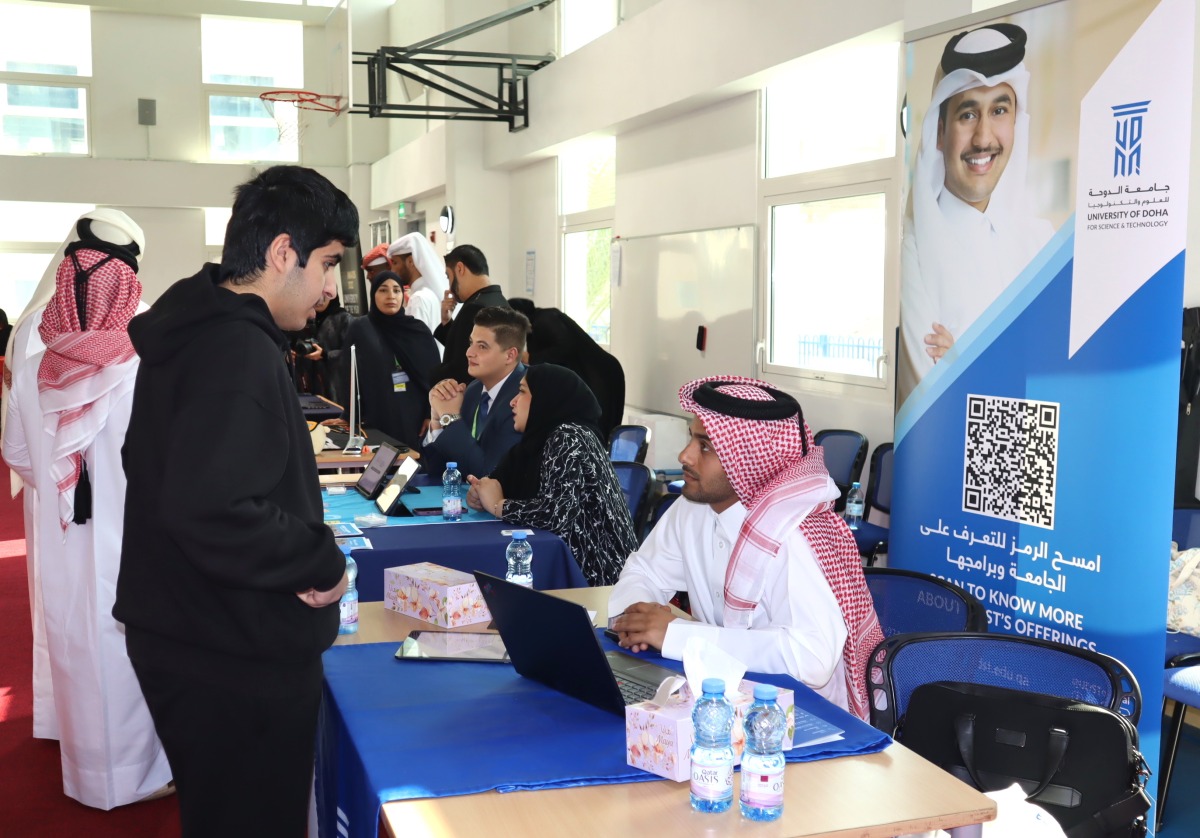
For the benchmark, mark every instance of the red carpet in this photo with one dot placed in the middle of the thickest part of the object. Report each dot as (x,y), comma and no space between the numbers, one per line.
(31,797)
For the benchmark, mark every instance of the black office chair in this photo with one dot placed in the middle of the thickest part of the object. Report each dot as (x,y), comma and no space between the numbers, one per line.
(845,453)
(1057,773)
(872,539)
(636,481)
(628,443)
(904,662)
(661,505)
(907,601)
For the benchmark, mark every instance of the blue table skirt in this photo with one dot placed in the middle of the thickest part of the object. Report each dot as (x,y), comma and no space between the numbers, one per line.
(398,730)
(463,547)
(475,543)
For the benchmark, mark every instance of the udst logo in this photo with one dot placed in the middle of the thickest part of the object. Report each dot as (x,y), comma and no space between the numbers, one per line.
(1127,152)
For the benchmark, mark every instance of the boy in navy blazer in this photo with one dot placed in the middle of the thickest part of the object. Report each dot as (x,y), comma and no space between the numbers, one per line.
(472,424)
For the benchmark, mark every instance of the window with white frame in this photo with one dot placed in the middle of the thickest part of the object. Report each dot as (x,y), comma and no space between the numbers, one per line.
(583,21)
(827,195)
(587,195)
(587,285)
(40,111)
(32,233)
(241,59)
(827,260)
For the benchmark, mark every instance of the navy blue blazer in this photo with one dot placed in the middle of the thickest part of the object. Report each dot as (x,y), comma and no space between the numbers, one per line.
(496,432)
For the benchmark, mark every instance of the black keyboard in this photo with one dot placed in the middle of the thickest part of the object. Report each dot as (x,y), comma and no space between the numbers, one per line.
(633,692)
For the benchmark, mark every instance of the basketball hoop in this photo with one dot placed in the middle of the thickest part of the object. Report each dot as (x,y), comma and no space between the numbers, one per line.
(284,106)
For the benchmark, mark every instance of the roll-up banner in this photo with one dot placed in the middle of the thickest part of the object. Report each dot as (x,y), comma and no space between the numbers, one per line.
(1041,298)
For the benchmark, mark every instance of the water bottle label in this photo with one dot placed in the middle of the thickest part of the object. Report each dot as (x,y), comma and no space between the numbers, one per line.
(712,782)
(348,612)
(762,791)
(451,506)
(855,509)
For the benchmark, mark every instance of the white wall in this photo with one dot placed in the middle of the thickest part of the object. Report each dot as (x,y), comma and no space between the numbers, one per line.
(533,214)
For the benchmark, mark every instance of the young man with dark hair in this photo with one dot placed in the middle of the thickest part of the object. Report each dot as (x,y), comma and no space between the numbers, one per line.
(473,424)
(467,271)
(229,578)
(772,571)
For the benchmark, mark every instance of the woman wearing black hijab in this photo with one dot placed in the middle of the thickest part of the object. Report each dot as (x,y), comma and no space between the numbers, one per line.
(395,353)
(559,476)
(331,326)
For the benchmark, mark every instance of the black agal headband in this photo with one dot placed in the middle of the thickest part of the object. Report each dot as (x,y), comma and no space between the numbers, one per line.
(991,62)
(783,407)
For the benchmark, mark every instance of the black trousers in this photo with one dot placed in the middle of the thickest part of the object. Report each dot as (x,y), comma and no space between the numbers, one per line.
(239,735)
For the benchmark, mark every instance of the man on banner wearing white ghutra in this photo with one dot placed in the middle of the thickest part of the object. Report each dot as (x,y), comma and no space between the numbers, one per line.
(772,572)
(971,229)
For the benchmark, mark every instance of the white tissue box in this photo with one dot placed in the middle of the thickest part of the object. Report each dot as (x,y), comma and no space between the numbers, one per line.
(658,738)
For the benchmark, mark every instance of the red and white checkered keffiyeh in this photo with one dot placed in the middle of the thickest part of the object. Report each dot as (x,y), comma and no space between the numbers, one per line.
(81,368)
(783,489)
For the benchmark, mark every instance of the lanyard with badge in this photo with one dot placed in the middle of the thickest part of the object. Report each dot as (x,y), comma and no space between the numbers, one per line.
(399,379)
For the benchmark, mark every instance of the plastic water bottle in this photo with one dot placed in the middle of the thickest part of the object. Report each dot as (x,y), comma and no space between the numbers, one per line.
(854,506)
(348,605)
(520,560)
(451,493)
(712,750)
(762,761)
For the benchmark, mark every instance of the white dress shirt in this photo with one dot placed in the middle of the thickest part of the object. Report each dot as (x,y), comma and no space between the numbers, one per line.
(797,629)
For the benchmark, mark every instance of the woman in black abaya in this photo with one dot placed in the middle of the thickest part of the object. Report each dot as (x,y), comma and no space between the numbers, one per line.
(396,354)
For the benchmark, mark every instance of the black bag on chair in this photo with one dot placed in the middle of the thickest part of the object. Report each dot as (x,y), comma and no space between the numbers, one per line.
(1077,761)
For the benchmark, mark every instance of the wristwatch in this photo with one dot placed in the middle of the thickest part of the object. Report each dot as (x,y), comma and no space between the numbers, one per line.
(447,418)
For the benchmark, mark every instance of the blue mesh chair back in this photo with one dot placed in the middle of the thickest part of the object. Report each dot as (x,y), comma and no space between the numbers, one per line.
(845,453)
(879,479)
(636,480)
(872,539)
(661,505)
(628,443)
(1181,684)
(907,601)
(904,662)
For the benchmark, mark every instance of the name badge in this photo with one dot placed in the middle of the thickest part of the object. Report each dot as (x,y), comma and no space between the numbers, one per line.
(399,381)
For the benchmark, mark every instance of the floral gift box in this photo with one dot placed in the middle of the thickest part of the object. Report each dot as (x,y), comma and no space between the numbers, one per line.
(435,594)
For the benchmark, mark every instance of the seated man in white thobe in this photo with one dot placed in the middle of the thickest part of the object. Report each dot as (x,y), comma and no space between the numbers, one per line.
(772,573)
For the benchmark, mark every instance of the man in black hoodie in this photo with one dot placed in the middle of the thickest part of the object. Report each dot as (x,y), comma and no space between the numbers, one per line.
(229,578)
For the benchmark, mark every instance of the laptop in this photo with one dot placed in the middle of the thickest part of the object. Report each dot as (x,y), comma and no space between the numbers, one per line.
(318,409)
(552,641)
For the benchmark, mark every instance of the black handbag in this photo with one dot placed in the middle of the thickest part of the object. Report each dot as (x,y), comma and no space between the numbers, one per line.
(1077,761)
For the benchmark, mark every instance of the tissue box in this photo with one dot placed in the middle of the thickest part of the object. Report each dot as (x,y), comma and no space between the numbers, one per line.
(435,594)
(658,738)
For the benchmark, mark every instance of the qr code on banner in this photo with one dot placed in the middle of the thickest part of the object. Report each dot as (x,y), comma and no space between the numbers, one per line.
(1011,459)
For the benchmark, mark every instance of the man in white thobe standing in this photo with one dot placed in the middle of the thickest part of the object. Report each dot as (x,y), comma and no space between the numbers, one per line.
(65,424)
(424,274)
